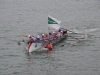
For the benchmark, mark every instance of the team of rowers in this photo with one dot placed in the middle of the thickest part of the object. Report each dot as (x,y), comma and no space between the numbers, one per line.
(48,37)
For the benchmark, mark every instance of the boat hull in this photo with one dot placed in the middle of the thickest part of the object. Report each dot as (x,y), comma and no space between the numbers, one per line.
(36,46)
(41,46)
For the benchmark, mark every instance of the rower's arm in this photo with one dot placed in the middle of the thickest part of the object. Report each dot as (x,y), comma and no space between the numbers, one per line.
(25,36)
(64,29)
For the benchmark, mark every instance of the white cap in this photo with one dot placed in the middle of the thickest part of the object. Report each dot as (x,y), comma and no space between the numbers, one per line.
(42,34)
(61,31)
(53,32)
(38,36)
(29,36)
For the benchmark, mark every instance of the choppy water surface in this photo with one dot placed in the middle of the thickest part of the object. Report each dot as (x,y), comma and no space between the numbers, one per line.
(23,17)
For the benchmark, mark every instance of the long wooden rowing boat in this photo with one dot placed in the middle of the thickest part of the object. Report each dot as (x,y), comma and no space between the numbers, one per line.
(41,45)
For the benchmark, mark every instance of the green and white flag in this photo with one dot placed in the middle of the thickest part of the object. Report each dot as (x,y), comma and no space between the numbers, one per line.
(53,23)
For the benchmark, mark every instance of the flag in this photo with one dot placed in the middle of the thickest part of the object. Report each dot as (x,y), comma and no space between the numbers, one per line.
(53,23)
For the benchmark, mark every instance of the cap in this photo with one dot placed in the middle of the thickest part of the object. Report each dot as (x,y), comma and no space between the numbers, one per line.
(37,36)
(61,31)
(29,36)
(42,34)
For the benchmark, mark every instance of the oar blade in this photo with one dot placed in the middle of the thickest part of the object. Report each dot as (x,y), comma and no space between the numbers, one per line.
(19,43)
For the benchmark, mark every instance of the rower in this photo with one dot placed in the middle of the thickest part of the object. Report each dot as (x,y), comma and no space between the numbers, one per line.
(64,31)
(50,37)
(29,38)
(59,34)
(34,39)
(38,38)
(43,37)
(54,35)
(46,39)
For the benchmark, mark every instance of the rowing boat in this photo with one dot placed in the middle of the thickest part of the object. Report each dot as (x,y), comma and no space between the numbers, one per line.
(41,45)
(53,23)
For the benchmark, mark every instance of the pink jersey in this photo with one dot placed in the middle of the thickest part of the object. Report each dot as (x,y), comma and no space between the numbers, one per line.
(58,34)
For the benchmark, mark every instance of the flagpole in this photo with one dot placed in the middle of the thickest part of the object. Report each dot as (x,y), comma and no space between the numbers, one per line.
(48,29)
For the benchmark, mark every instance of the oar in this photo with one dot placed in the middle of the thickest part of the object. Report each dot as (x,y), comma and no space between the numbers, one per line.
(73,36)
(82,37)
(21,42)
(75,32)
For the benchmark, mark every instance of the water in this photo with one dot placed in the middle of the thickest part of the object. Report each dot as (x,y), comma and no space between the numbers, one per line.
(24,17)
